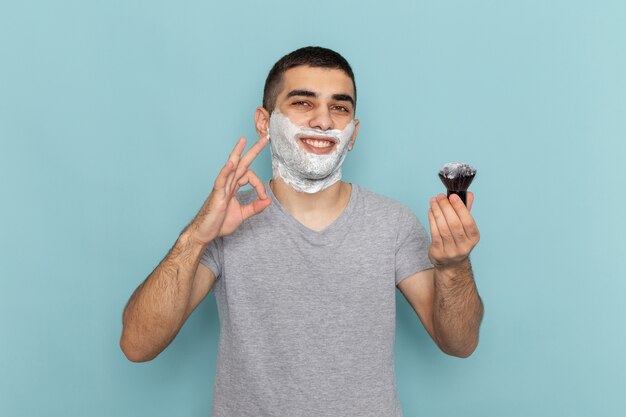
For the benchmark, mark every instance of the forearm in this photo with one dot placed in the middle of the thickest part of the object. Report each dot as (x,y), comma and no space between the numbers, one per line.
(458,310)
(156,310)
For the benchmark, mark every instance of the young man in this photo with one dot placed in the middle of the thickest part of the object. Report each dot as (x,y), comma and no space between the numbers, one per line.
(305,267)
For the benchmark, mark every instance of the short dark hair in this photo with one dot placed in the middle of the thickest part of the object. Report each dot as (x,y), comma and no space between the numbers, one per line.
(312,56)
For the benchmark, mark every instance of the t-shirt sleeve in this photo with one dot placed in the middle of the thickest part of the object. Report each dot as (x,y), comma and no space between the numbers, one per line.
(411,246)
(213,256)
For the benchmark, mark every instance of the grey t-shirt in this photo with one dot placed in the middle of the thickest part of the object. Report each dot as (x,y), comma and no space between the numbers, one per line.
(307,319)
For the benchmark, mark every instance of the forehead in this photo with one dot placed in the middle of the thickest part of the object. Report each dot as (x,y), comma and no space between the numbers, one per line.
(324,81)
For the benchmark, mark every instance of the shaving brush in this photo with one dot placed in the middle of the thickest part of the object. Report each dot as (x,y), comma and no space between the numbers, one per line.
(457,177)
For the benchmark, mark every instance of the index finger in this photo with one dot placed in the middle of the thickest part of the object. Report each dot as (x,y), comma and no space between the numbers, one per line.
(252,153)
(464,214)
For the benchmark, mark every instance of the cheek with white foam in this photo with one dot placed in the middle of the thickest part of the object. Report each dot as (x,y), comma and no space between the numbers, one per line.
(300,168)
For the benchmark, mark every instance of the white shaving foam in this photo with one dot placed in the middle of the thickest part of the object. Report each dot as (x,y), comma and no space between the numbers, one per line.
(453,169)
(306,171)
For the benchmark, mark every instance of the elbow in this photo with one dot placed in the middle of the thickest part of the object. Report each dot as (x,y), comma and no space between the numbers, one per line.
(135,357)
(462,351)
(459,353)
(132,353)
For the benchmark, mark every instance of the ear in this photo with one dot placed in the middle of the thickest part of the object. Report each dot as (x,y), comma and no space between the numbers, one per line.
(356,130)
(262,122)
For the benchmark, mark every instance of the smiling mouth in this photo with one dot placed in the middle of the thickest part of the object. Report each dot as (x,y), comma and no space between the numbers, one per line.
(318,144)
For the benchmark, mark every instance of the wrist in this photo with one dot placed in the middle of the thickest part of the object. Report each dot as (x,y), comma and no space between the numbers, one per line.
(454,269)
(190,236)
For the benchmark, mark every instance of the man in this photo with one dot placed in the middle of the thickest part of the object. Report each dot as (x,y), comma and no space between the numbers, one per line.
(305,267)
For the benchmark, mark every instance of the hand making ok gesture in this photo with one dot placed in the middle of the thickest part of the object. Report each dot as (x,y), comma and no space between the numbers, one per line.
(221,214)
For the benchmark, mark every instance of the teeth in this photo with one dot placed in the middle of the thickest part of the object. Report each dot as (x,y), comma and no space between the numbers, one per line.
(318,143)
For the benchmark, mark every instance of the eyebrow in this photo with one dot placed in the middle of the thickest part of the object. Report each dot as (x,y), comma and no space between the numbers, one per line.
(307,93)
(343,97)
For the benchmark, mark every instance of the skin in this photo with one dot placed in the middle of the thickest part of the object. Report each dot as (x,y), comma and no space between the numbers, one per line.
(445,297)
(321,109)
(160,306)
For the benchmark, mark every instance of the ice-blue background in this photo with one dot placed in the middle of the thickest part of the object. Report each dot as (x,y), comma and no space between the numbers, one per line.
(115,117)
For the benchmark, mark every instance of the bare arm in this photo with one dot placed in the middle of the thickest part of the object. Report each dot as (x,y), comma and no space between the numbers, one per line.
(448,306)
(161,304)
(445,297)
(159,307)
(458,310)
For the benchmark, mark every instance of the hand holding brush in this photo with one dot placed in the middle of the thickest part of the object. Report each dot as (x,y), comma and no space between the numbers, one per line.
(457,308)
(453,230)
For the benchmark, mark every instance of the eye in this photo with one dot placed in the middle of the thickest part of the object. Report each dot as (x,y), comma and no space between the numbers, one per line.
(300,104)
(342,109)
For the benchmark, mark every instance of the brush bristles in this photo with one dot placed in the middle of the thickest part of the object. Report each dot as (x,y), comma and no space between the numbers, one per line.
(460,183)
(457,176)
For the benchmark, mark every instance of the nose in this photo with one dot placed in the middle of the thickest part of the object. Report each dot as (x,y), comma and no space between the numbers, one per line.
(321,119)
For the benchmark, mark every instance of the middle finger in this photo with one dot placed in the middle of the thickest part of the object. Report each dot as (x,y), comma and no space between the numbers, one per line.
(250,155)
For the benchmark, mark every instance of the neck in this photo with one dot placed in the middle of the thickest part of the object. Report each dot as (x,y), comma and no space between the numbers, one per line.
(315,210)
